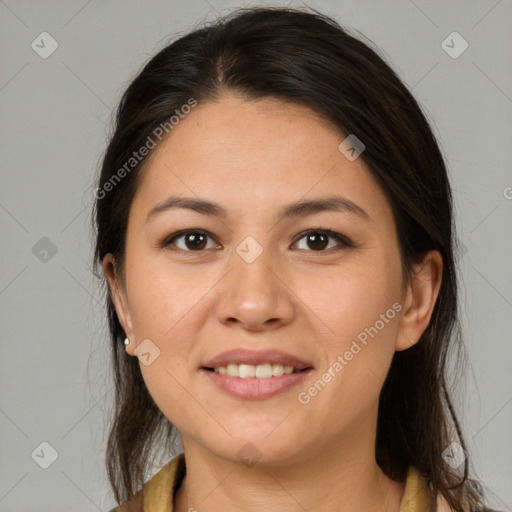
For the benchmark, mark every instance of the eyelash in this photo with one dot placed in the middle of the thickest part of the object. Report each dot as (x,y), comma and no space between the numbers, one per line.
(332,234)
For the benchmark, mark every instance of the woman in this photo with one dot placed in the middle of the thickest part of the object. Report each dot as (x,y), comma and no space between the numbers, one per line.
(274,221)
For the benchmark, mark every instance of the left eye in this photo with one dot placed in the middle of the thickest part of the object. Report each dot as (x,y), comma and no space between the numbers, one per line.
(196,240)
(319,239)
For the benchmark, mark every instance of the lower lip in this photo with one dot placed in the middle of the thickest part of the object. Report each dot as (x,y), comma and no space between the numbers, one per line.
(254,388)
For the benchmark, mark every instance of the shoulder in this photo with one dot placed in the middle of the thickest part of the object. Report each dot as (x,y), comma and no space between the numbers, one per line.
(135,504)
(159,489)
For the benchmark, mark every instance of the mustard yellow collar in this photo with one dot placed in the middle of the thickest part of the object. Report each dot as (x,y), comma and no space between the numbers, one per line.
(158,493)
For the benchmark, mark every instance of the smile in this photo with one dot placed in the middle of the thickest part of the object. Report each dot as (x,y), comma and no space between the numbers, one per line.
(260,371)
(253,387)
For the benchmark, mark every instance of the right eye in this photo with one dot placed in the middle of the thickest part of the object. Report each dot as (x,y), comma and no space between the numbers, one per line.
(194,240)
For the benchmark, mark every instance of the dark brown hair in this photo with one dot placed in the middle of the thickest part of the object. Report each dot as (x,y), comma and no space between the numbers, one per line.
(306,58)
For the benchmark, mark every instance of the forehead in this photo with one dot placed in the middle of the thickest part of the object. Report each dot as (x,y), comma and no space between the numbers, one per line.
(245,154)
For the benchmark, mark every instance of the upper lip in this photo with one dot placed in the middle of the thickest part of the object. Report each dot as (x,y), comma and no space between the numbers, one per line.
(256,357)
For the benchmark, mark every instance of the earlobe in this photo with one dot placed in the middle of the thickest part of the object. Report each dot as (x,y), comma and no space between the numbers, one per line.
(421,297)
(118,295)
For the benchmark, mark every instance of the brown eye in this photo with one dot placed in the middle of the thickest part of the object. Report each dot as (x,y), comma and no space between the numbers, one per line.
(193,240)
(318,240)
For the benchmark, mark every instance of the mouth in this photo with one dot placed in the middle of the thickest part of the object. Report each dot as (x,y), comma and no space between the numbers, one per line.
(255,375)
(260,371)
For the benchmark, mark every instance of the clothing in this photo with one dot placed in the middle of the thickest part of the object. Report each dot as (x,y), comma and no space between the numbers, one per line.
(158,493)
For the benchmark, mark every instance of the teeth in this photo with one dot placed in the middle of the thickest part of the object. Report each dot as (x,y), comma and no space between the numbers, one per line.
(246,370)
(278,370)
(232,370)
(261,371)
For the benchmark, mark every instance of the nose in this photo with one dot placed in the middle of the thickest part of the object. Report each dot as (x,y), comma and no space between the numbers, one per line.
(255,296)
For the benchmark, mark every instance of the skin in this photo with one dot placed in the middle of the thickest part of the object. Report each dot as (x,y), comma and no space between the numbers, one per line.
(253,158)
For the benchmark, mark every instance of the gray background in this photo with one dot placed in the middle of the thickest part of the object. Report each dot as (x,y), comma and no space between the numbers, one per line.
(55,113)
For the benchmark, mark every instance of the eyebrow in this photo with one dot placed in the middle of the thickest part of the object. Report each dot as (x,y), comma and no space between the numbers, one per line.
(292,210)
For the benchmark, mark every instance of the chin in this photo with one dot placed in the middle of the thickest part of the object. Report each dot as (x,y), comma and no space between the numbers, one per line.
(259,449)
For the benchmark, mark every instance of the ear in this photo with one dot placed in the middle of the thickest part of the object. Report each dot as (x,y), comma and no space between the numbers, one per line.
(117,290)
(421,296)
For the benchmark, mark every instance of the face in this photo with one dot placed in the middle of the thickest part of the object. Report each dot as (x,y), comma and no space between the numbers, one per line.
(259,280)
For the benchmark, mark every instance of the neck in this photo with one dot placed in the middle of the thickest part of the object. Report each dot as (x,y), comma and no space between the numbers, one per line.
(344,477)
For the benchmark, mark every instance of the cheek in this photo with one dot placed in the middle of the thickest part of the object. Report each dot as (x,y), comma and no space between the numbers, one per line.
(348,299)
(169,306)
(166,307)
(355,308)
(162,297)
